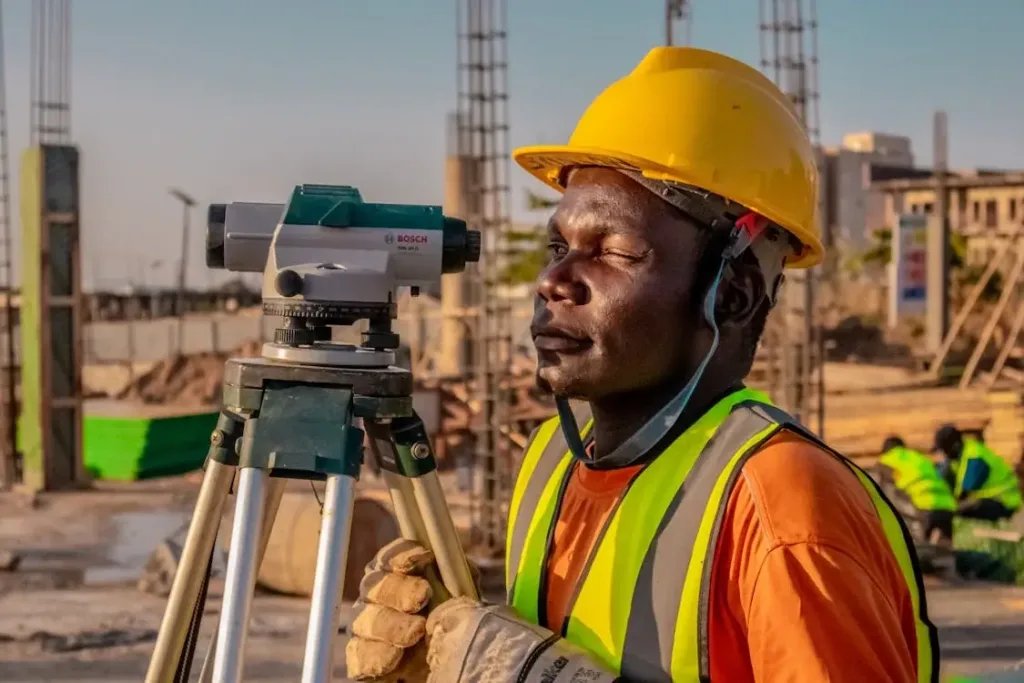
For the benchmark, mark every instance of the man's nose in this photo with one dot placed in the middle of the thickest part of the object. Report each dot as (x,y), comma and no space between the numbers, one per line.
(559,282)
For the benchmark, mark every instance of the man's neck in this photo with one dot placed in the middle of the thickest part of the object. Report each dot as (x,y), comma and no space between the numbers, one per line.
(616,418)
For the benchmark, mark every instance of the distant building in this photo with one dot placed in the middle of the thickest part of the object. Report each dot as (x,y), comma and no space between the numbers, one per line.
(882,148)
(850,213)
(984,204)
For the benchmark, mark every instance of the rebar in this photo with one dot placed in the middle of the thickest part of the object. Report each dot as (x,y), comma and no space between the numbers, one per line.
(792,62)
(50,69)
(8,355)
(482,120)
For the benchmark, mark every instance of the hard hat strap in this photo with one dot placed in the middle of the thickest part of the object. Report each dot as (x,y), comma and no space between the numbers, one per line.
(644,440)
(768,242)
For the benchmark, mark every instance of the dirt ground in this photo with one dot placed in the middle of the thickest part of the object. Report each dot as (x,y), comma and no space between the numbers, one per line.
(71,612)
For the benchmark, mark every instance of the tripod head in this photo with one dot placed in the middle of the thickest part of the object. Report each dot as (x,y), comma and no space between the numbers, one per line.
(330,259)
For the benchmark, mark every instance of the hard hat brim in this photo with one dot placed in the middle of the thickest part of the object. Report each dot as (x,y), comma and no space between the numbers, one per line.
(547,163)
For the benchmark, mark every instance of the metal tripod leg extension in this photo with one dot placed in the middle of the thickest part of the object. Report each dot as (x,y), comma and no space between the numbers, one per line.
(195,556)
(405,457)
(275,490)
(301,431)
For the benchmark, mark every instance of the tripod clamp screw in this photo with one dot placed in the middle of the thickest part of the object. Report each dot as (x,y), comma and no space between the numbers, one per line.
(420,450)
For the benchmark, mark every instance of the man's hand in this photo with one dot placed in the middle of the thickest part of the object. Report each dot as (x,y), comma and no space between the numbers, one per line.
(388,630)
(469,642)
(466,641)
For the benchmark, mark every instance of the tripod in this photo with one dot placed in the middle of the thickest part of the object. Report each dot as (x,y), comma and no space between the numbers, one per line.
(295,415)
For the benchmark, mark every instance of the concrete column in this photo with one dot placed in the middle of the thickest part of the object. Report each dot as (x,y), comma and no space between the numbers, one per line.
(453,353)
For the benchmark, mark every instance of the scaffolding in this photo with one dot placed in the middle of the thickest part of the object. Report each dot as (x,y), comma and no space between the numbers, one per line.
(482,141)
(9,464)
(795,343)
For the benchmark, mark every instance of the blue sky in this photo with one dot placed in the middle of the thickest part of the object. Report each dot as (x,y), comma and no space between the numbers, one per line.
(242,100)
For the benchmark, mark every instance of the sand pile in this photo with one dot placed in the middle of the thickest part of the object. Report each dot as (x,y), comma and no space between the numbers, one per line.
(185,380)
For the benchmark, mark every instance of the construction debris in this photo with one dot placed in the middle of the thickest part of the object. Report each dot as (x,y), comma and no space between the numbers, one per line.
(159,570)
(9,561)
(52,642)
(185,380)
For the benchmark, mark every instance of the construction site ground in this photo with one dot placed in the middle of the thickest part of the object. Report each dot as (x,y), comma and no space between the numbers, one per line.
(71,610)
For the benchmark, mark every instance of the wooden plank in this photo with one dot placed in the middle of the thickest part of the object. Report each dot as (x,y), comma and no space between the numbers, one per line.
(968,307)
(986,333)
(999,534)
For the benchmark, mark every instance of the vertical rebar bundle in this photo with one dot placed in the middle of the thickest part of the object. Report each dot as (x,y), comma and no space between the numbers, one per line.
(789,55)
(8,356)
(51,72)
(678,12)
(483,142)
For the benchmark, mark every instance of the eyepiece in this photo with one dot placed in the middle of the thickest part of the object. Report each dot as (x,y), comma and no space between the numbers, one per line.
(459,246)
(216,216)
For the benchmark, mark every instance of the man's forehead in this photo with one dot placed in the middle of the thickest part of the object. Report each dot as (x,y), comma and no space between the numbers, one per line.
(603,196)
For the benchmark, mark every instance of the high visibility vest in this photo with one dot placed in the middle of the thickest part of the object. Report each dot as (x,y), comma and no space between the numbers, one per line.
(916,476)
(641,607)
(1001,483)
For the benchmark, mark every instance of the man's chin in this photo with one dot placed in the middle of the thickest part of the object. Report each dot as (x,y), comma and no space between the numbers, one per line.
(561,386)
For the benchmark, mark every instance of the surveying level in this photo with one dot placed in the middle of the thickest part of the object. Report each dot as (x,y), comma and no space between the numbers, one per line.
(328,258)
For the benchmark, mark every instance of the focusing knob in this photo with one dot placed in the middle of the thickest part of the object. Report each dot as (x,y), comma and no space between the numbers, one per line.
(294,336)
(472,246)
(288,283)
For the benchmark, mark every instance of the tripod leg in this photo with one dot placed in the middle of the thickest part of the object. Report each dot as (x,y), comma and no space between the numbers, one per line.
(199,544)
(189,649)
(275,490)
(240,578)
(403,500)
(403,450)
(444,537)
(410,524)
(332,555)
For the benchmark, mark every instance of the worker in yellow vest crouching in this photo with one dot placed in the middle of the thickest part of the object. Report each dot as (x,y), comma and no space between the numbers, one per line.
(917,489)
(984,485)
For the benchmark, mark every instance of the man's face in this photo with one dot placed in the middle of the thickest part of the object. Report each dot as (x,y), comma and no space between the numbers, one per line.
(952,448)
(613,312)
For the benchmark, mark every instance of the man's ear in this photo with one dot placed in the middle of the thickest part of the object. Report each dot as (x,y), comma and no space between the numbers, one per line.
(740,294)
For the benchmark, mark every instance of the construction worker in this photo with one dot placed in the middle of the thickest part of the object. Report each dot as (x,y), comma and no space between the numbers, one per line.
(671,525)
(917,490)
(984,485)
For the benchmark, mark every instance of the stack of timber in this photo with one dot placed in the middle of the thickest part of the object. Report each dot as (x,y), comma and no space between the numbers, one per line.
(857,423)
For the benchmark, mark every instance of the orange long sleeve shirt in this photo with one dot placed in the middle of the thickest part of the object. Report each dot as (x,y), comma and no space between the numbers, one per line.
(804,585)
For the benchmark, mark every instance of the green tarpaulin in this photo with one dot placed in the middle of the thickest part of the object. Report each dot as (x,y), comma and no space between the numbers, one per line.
(127,448)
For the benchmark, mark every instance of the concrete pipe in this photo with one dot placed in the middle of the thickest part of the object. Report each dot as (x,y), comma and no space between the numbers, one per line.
(290,561)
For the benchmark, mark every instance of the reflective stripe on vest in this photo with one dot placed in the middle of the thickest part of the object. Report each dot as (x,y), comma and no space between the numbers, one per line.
(642,604)
(1000,485)
(917,477)
(547,457)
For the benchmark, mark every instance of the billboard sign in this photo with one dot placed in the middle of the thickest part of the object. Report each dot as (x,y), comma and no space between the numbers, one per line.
(908,270)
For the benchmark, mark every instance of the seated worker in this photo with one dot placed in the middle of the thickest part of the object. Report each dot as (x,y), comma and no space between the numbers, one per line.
(984,485)
(917,489)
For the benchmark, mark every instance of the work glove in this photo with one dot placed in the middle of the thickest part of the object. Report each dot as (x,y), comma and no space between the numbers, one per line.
(387,632)
(469,642)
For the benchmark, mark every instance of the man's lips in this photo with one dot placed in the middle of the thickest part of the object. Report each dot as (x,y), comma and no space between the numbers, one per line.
(561,342)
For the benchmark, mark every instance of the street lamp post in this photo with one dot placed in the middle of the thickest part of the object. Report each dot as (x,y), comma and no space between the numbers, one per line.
(187,202)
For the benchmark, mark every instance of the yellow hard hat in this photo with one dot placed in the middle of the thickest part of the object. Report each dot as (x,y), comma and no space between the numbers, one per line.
(704,120)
